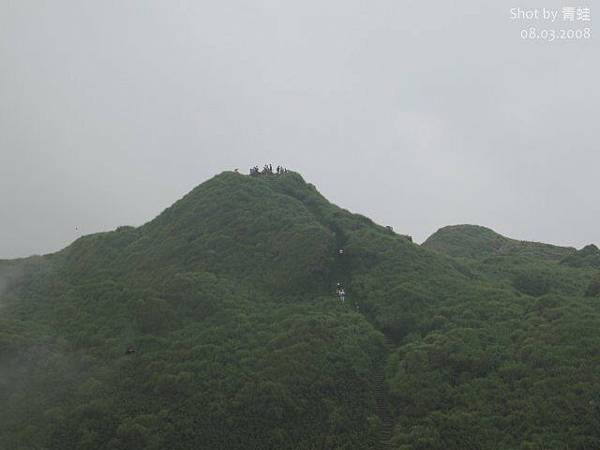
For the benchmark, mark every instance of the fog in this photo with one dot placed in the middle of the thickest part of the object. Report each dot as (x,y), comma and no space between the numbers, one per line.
(10,275)
(417,114)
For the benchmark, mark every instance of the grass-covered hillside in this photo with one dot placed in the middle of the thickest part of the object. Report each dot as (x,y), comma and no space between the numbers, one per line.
(217,326)
(473,241)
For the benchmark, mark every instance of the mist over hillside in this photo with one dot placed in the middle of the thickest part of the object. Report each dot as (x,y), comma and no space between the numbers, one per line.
(220,324)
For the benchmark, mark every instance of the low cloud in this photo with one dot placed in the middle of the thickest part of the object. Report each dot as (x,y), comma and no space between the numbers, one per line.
(10,275)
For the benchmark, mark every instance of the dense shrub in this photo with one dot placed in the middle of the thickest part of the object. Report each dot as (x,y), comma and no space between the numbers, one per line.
(228,300)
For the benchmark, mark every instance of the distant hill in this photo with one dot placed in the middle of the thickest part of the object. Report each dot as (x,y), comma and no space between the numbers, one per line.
(217,325)
(473,241)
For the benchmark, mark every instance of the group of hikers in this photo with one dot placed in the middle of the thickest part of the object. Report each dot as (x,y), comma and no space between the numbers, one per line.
(267,170)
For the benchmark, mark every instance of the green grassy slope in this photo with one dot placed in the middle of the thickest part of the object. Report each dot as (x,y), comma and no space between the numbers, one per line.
(228,299)
(520,370)
(473,241)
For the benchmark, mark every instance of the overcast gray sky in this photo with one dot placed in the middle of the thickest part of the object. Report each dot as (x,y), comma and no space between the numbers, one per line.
(416,113)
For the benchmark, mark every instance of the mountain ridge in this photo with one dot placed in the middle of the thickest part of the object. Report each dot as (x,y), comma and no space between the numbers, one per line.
(217,325)
(478,241)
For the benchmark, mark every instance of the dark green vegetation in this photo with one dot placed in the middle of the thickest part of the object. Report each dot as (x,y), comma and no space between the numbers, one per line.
(227,298)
